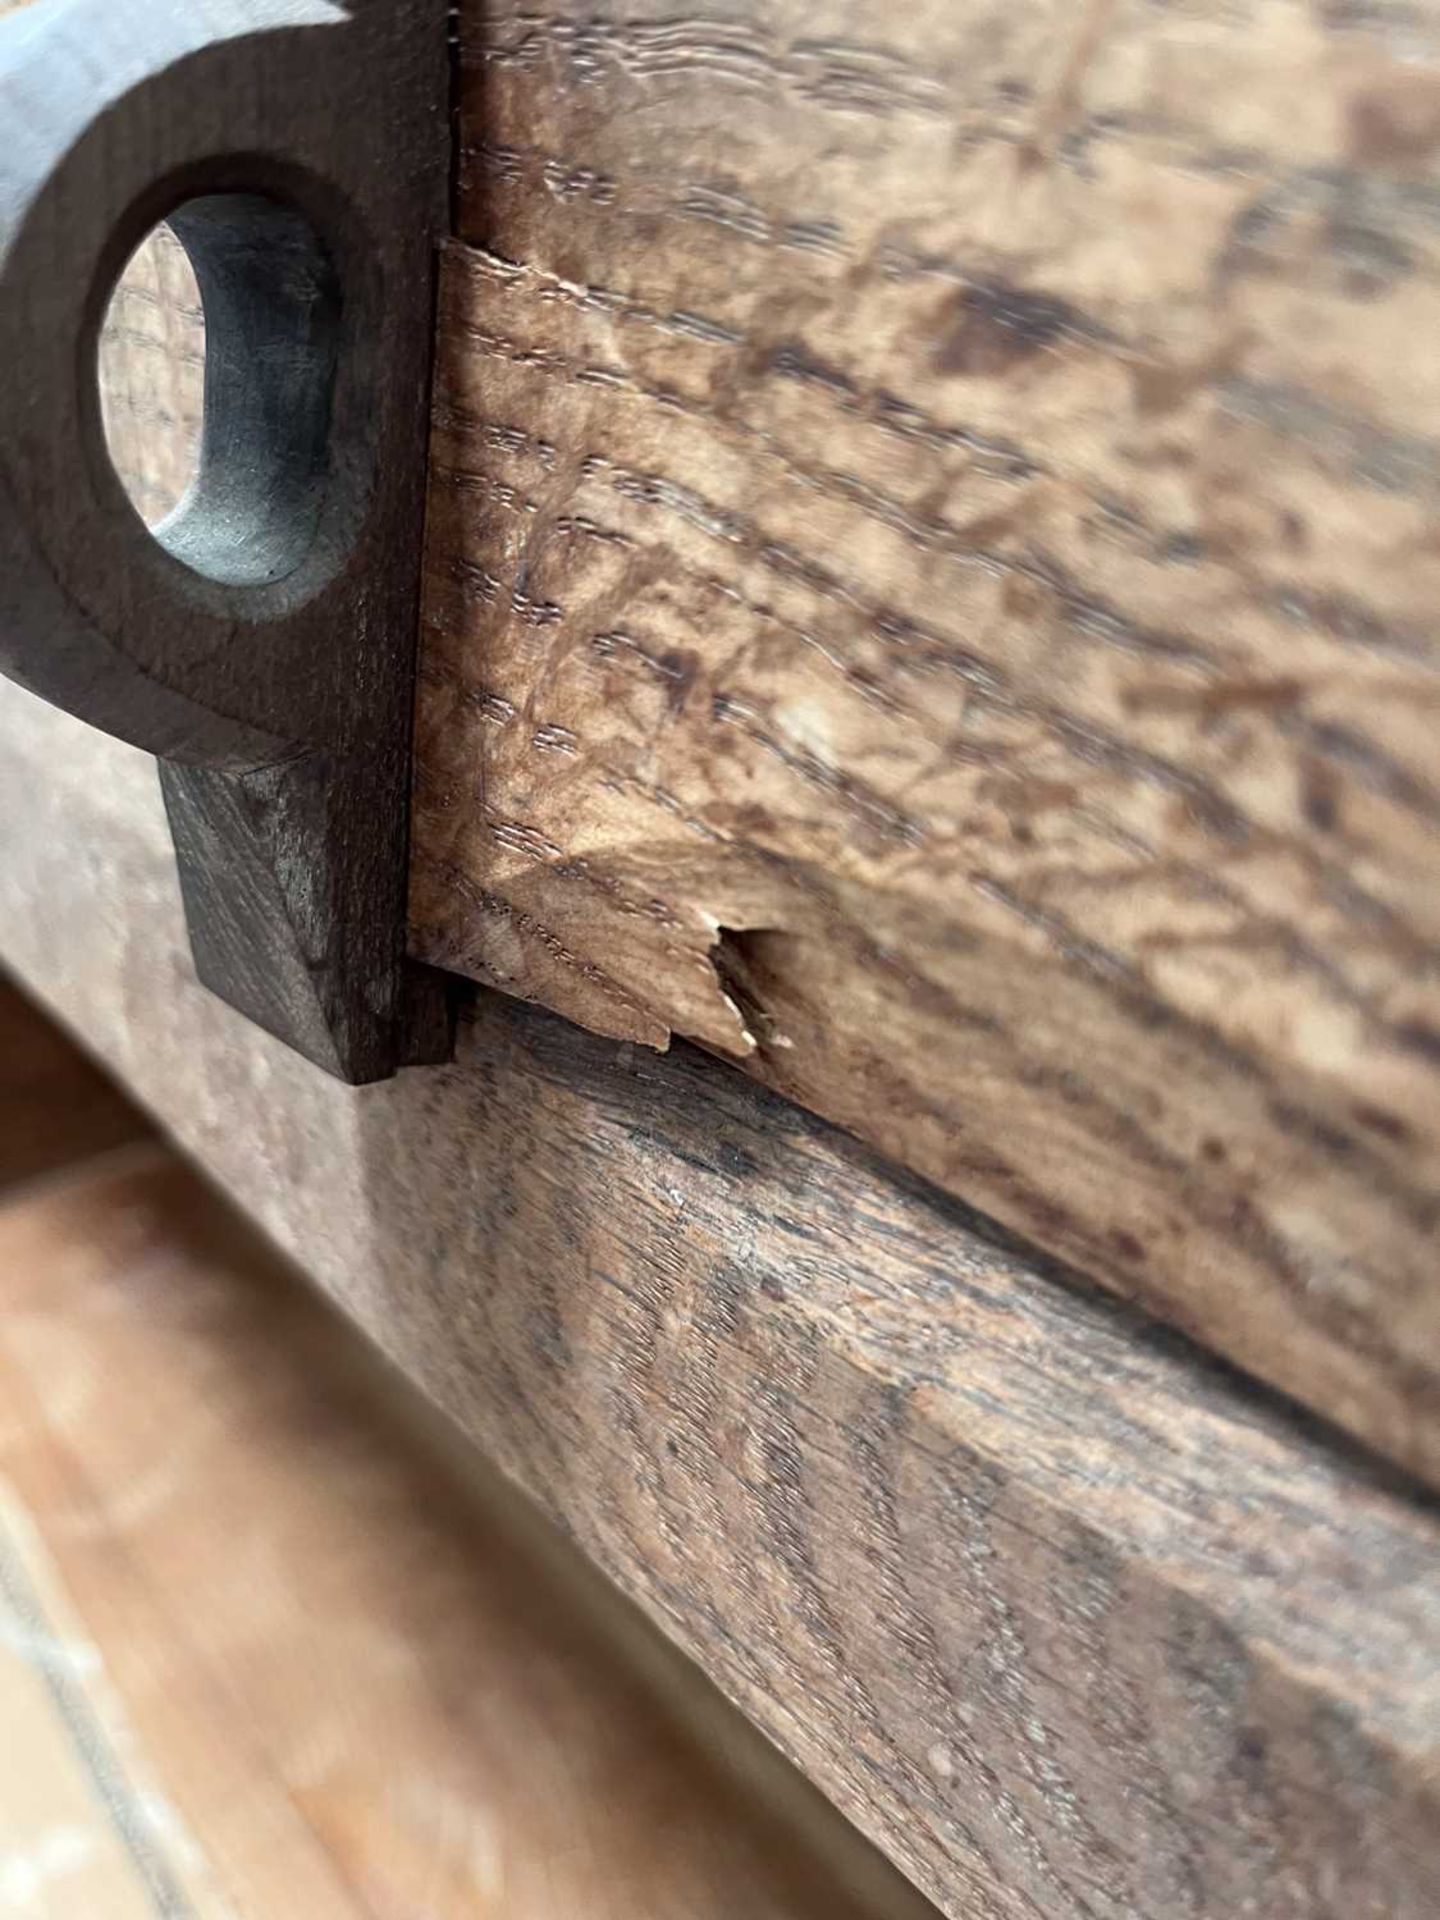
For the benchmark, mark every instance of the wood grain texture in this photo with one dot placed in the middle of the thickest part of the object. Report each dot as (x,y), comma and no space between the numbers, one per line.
(1076,1623)
(931,582)
(314,1667)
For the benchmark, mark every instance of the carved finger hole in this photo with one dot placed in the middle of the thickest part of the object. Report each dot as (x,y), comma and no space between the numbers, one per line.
(236,296)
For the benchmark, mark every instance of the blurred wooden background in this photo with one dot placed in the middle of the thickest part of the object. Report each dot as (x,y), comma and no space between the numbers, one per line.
(271,1647)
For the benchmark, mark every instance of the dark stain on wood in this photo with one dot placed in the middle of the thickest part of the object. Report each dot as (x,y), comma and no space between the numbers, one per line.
(989,328)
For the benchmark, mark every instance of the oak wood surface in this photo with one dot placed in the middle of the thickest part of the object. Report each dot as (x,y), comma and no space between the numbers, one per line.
(1072,1620)
(931,582)
(270,1652)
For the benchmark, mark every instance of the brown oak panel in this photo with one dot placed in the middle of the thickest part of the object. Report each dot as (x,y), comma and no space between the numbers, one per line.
(930,592)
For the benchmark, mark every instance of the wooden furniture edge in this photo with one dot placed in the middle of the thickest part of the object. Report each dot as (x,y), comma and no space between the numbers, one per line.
(1066,1617)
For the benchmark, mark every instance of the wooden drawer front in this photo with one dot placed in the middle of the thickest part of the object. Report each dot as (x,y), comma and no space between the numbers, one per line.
(931,593)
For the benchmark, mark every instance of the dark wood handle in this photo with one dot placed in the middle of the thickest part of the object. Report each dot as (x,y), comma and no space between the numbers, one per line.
(262,641)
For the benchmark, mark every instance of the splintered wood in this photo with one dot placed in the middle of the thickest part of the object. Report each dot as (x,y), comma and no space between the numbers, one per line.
(930,592)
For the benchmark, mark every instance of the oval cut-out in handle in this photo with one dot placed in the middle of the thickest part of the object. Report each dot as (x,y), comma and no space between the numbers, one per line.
(263,644)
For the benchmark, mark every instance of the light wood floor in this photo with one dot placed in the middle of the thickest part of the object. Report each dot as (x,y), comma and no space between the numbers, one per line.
(262,1655)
